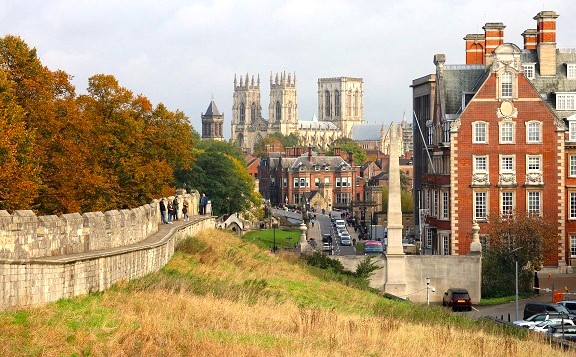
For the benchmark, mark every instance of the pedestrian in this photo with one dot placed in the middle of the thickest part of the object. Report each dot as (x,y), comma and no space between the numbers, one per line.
(185,210)
(175,203)
(312,221)
(170,212)
(203,203)
(163,211)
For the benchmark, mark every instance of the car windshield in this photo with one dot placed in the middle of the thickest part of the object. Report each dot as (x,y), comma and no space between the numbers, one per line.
(458,295)
(562,309)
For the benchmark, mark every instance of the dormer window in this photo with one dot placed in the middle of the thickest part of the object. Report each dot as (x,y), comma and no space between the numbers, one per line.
(529,70)
(506,79)
(566,101)
(571,70)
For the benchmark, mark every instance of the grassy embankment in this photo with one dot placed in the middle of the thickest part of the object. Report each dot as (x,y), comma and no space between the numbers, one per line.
(221,296)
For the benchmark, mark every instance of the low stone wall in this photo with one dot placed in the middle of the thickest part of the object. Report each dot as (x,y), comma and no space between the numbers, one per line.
(33,282)
(444,271)
(23,235)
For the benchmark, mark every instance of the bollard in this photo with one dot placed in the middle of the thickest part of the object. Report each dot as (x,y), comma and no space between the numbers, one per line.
(508,317)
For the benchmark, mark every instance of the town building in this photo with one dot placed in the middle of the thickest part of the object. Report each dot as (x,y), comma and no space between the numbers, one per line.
(497,135)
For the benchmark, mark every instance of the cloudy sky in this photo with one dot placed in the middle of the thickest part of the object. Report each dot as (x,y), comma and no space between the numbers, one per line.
(181,53)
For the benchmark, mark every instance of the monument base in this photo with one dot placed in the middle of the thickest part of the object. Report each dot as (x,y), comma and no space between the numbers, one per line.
(395,275)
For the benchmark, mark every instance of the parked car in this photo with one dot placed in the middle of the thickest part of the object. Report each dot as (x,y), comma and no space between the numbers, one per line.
(340,223)
(567,333)
(544,326)
(534,308)
(534,319)
(345,238)
(570,305)
(457,299)
(373,247)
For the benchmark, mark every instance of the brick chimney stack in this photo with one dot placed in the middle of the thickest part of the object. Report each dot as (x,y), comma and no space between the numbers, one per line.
(309,153)
(530,39)
(474,48)
(546,42)
(493,37)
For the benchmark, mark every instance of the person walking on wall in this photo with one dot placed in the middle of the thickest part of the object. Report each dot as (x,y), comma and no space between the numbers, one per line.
(163,210)
(202,208)
(175,204)
(170,212)
(185,210)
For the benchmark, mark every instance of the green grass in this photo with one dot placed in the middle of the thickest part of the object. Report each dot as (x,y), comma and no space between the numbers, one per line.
(285,239)
(504,299)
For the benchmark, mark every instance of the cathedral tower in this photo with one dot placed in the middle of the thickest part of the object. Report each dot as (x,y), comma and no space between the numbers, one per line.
(341,101)
(212,123)
(247,112)
(283,107)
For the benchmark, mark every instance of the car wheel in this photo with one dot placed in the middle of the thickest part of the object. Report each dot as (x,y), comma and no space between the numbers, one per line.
(470,308)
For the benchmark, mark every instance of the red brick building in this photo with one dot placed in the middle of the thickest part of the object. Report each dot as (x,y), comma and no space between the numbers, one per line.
(295,178)
(499,137)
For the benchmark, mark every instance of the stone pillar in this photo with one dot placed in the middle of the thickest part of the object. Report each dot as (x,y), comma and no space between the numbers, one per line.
(395,271)
(305,248)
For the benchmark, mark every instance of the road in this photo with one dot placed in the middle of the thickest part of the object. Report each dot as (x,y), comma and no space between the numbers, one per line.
(322,226)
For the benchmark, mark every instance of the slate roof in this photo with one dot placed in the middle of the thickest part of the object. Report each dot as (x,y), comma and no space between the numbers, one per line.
(458,79)
(366,132)
(549,86)
(333,162)
(212,110)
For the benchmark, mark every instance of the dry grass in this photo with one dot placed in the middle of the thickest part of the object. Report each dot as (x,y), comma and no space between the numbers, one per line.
(272,310)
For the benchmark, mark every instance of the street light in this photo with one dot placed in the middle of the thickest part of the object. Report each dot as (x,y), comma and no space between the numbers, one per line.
(516,266)
(274,230)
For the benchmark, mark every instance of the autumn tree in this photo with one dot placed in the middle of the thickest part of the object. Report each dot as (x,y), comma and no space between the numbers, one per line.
(524,238)
(349,146)
(280,140)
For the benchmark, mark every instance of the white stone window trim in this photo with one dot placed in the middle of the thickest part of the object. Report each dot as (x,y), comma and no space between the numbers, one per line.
(572,205)
(572,246)
(528,159)
(486,205)
(572,166)
(476,159)
(504,211)
(501,126)
(539,201)
(513,164)
(476,128)
(528,125)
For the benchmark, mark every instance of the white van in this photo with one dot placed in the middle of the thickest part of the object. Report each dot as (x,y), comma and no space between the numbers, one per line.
(340,223)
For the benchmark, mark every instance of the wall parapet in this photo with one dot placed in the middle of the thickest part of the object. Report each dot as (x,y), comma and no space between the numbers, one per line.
(37,281)
(23,235)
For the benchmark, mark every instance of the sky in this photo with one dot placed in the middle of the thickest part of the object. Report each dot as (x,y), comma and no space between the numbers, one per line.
(183,53)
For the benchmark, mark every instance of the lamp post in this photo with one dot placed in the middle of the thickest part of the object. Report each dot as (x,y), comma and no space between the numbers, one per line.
(274,230)
(516,276)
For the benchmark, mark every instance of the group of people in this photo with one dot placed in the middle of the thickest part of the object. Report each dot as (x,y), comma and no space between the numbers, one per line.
(169,210)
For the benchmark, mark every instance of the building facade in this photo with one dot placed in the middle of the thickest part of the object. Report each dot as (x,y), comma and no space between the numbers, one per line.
(212,123)
(340,109)
(495,138)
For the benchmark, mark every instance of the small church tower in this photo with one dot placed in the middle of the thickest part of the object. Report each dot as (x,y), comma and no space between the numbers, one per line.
(212,122)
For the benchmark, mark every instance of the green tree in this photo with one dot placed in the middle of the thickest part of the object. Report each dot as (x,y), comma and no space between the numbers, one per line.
(523,238)
(280,140)
(349,146)
(406,200)
(223,177)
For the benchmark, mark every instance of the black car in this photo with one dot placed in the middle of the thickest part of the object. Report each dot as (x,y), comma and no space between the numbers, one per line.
(534,308)
(457,299)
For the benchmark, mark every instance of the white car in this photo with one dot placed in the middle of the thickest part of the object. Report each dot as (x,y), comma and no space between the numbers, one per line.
(534,319)
(545,325)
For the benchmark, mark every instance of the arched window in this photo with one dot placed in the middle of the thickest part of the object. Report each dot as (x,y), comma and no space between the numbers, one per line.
(278,111)
(253,112)
(506,85)
(349,103)
(327,104)
(290,112)
(242,113)
(337,103)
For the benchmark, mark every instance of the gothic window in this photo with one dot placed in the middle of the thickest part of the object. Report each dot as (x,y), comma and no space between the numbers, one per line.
(506,85)
(278,111)
(356,97)
(290,112)
(337,103)
(349,103)
(242,113)
(327,103)
(253,112)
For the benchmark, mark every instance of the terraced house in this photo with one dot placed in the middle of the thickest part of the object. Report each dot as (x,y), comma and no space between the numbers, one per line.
(498,135)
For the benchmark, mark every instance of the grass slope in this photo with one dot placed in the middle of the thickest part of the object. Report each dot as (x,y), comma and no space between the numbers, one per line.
(221,296)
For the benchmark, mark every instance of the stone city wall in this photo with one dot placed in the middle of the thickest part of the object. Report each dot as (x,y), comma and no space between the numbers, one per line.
(23,235)
(33,282)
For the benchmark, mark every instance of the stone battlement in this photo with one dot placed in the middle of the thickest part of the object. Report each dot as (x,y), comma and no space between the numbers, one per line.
(23,235)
